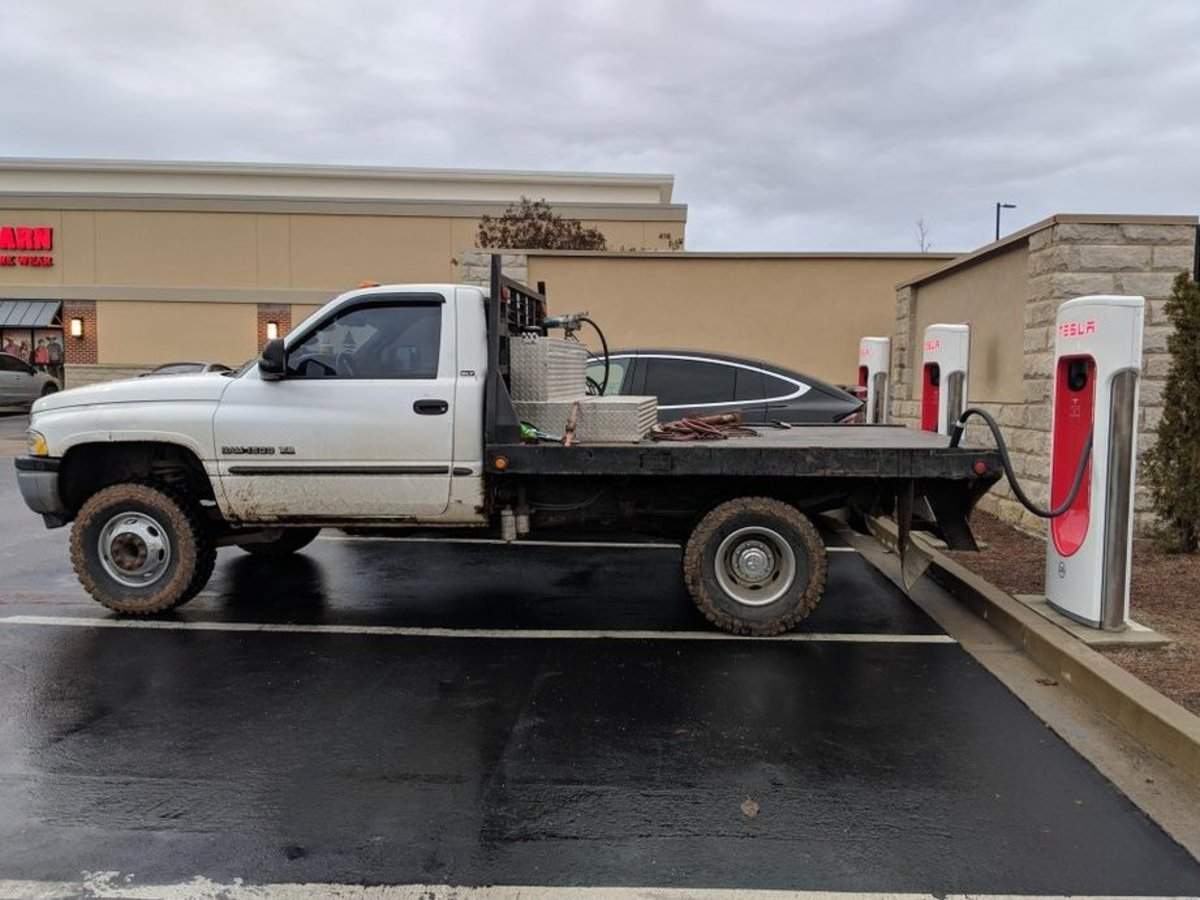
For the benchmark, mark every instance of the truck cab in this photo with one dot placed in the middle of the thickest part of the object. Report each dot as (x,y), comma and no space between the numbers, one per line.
(375,414)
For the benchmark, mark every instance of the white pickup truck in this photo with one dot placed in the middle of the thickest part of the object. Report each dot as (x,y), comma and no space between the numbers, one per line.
(389,408)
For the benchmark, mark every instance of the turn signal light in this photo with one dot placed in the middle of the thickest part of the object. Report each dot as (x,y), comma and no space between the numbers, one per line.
(500,463)
(36,443)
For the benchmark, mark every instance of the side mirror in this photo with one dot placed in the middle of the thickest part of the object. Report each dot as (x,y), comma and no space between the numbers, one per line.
(272,363)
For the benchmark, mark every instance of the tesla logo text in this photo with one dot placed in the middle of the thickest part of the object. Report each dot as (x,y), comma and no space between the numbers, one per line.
(934,344)
(1076,329)
(21,237)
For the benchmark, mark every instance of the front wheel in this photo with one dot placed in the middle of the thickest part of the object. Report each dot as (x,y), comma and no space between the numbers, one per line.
(755,565)
(286,544)
(138,549)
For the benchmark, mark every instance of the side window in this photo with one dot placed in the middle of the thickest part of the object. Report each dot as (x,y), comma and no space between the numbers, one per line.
(616,373)
(11,364)
(686,382)
(376,341)
(749,385)
(777,388)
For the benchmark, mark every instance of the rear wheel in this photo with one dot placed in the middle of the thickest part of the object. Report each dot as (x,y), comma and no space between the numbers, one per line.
(286,544)
(49,389)
(755,565)
(141,550)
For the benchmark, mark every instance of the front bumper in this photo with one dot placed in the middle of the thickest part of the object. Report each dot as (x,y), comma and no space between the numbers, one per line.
(37,477)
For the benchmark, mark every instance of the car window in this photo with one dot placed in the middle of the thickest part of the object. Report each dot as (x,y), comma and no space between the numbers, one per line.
(616,373)
(11,364)
(749,384)
(376,341)
(777,388)
(689,382)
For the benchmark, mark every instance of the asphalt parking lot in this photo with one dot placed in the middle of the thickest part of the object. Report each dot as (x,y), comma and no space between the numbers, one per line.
(418,712)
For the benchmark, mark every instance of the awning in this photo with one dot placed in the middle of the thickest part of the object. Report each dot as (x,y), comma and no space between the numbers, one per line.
(28,313)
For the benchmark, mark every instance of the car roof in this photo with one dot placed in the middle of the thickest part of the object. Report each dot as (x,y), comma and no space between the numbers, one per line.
(810,380)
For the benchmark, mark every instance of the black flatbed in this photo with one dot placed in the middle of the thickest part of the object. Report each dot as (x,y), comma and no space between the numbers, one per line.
(824,451)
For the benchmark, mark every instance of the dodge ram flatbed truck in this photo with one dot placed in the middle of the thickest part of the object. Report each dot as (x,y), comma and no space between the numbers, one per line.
(390,408)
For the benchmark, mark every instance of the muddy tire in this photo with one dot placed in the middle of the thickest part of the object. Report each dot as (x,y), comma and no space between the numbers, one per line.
(286,544)
(755,566)
(139,549)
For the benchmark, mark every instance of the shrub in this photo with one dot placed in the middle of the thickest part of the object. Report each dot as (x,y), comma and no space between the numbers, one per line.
(1173,465)
(533,225)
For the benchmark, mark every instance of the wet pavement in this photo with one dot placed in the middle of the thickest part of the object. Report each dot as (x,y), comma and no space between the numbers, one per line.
(436,741)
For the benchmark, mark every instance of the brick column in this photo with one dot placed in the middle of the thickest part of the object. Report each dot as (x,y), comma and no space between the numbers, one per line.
(80,351)
(1073,259)
(904,400)
(279,313)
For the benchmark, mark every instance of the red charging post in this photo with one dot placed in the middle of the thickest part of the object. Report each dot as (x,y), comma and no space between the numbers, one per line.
(1098,359)
(874,363)
(945,355)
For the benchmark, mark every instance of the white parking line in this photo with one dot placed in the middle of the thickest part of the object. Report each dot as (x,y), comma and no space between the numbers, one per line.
(616,545)
(115,886)
(490,633)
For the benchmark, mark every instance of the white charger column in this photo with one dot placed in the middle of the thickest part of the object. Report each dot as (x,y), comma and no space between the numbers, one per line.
(874,367)
(946,352)
(1097,369)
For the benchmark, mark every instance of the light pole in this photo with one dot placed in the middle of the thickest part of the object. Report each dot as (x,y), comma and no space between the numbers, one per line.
(1000,206)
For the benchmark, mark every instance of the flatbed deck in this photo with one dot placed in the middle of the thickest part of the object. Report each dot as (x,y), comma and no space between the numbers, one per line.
(845,451)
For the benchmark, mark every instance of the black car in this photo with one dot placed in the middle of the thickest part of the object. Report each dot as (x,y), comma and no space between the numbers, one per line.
(695,383)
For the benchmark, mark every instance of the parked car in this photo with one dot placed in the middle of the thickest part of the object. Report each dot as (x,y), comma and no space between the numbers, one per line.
(694,383)
(187,368)
(21,383)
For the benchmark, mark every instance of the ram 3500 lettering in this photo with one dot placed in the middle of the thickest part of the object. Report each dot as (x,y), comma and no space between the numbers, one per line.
(390,408)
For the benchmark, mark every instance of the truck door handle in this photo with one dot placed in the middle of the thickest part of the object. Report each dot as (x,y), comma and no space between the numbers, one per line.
(430,407)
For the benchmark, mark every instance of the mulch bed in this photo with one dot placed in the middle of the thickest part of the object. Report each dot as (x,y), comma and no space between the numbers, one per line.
(1165,596)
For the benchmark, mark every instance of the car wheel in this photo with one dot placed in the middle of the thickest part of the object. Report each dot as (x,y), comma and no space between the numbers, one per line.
(755,565)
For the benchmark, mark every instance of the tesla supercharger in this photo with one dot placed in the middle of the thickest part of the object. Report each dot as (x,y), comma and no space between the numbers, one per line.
(945,356)
(1097,363)
(874,362)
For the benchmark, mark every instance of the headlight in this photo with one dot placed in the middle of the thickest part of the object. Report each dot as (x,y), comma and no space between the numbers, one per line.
(36,443)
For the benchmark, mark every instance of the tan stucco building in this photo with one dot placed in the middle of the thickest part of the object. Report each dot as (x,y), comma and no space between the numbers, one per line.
(161,262)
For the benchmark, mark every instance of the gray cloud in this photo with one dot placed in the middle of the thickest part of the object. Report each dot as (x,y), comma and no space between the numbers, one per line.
(788,125)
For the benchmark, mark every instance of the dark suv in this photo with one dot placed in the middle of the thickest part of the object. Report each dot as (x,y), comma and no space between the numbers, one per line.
(695,383)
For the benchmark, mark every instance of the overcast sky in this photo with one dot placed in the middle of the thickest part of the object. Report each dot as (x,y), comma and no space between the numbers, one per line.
(788,126)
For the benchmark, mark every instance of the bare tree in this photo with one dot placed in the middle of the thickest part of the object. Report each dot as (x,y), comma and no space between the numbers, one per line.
(923,240)
(533,225)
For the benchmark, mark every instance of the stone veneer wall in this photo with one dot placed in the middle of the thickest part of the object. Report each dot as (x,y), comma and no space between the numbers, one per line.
(475,267)
(1066,259)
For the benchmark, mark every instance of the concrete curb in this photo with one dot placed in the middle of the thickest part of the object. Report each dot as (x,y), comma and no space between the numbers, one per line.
(1160,725)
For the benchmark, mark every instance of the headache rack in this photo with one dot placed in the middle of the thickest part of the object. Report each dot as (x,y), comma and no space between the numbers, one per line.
(513,309)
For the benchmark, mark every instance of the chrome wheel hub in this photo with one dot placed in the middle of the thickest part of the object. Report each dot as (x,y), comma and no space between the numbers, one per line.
(753,561)
(755,565)
(134,549)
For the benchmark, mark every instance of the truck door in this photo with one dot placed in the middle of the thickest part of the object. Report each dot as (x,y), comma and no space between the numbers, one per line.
(362,424)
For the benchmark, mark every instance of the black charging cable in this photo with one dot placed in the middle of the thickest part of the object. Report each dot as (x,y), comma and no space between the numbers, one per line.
(603,386)
(1002,449)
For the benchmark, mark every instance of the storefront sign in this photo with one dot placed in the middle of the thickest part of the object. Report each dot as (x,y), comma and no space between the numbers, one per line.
(33,240)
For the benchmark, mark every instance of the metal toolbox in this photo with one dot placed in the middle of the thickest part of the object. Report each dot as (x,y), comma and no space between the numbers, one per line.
(546,369)
(601,420)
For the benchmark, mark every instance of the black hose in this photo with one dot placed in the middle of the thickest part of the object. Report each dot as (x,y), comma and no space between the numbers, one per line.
(1002,449)
(604,344)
